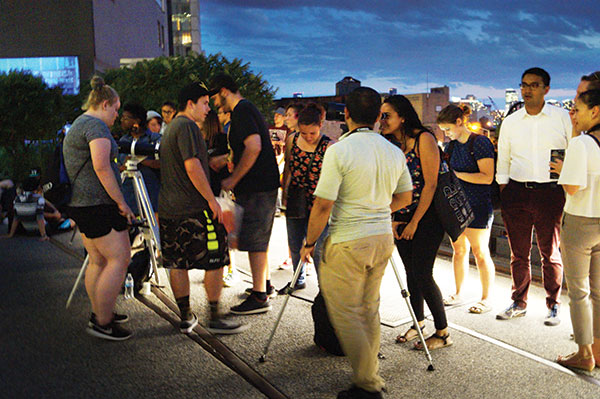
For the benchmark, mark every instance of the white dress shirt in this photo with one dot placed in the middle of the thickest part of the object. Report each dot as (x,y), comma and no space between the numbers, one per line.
(525,142)
(582,168)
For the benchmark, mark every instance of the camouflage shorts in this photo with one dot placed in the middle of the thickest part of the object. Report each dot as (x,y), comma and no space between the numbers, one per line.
(194,242)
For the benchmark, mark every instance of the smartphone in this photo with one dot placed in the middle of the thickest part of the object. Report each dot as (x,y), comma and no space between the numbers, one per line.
(555,155)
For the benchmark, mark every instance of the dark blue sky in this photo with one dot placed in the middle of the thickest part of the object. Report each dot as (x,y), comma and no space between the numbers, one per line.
(475,47)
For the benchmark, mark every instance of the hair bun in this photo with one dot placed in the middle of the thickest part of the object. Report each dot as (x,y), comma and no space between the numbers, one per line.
(465,109)
(97,83)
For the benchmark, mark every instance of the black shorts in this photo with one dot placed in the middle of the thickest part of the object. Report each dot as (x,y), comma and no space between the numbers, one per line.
(193,242)
(98,220)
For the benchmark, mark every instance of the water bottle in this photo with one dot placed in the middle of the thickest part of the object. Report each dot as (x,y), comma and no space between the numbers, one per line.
(129,287)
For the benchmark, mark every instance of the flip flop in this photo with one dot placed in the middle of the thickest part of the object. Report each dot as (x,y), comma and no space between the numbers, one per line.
(480,307)
(453,299)
(444,338)
(400,339)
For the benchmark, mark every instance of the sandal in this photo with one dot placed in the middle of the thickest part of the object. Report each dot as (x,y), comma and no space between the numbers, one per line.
(480,307)
(408,336)
(444,338)
(583,363)
(452,300)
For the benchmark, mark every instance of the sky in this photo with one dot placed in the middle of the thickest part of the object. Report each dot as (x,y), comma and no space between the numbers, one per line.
(474,47)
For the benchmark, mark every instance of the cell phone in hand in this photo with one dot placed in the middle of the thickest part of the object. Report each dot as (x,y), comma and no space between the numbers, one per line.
(556,154)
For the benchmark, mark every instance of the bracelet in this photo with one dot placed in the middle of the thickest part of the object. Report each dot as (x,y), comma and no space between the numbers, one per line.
(309,245)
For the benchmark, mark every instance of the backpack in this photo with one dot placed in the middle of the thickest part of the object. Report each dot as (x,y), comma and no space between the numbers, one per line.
(495,187)
(139,266)
(325,337)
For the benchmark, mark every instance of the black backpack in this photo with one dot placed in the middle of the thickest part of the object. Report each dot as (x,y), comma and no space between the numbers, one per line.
(325,337)
(495,187)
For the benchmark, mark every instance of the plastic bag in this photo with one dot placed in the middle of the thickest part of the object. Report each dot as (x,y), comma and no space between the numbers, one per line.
(232,217)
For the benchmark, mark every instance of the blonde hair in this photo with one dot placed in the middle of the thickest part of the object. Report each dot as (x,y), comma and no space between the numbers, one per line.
(100,92)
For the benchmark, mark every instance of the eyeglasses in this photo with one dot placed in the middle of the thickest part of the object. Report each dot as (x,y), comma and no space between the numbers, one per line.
(167,112)
(385,115)
(534,85)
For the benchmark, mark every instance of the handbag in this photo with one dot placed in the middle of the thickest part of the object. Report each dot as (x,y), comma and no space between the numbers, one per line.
(297,196)
(451,205)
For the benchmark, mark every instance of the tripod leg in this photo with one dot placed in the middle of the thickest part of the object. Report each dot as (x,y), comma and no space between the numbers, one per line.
(263,358)
(405,295)
(86,261)
(150,230)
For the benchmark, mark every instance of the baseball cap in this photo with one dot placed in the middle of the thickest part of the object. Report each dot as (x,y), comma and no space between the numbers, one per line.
(220,81)
(280,111)
(193,92)
(152,115)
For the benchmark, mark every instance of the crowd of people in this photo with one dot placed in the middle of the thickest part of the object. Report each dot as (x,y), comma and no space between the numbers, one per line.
(347,206)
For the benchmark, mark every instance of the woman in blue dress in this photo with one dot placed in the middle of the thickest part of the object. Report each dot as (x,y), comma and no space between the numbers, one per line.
(471,156)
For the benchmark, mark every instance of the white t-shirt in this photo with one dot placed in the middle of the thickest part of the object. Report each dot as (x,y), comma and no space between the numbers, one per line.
(360,173)
(582,168)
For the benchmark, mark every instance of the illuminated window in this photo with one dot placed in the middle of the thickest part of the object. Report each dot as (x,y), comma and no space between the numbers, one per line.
(55,71)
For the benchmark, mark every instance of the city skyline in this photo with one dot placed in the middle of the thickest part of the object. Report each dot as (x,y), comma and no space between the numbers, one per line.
(478,49)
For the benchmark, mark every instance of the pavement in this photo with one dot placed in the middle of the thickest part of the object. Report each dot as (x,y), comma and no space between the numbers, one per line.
(45,352)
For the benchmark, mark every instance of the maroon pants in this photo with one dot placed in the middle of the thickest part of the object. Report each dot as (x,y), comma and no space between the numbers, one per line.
(522,209)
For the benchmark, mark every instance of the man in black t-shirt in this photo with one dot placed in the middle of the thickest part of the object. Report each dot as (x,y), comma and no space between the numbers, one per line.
(254,181)
(191,233)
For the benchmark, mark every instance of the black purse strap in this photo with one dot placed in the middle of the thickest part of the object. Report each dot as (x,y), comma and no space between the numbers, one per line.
(312,158)
(80,169)
(594,137)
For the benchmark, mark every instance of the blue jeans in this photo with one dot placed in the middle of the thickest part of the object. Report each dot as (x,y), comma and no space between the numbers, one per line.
(296,232)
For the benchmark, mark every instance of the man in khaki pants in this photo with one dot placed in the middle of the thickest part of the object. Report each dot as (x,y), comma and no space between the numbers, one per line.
(364,178)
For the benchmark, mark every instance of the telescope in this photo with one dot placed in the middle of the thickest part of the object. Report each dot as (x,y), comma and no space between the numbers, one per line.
(139,149)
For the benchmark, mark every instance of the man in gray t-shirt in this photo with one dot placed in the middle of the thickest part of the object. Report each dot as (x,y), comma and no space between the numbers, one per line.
(191,233)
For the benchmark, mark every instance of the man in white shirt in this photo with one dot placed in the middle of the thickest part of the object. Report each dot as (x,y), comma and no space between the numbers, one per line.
(530,196)
(364,177)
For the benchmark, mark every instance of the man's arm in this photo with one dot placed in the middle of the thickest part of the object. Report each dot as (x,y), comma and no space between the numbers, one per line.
(196,174)
(252,148)
(319,216)
(503,163)
(401,200)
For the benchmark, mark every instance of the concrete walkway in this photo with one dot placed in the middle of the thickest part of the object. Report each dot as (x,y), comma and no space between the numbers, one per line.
(46,353)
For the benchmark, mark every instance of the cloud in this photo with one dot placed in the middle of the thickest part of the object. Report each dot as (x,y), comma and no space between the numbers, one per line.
(308,46)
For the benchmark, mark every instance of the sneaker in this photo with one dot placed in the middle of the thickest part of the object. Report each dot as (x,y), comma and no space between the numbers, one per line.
(252,305)
(552,319)
(186,326)
(288,289)
(358,393)
(271,291)
(286,265)
(111,332)
(511,312)
(225,326)
(117,318)
(230,279)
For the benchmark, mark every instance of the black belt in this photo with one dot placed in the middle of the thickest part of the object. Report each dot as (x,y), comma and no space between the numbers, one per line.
(532,185)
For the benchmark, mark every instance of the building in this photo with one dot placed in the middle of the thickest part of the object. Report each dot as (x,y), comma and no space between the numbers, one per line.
(510,97)
(184,32)
(65,41)
(346,86)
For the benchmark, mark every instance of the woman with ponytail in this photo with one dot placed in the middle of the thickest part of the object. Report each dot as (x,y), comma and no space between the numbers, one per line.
(471,156)
(580,230)
(98,207)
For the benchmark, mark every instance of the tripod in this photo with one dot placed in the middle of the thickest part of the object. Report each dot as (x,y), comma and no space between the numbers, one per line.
(147,222)
(403,291)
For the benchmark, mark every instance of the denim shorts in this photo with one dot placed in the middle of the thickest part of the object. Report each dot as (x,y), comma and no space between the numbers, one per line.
(257,223)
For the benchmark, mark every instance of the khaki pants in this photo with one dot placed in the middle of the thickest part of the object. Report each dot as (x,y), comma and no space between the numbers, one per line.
(580,246)
(350,278)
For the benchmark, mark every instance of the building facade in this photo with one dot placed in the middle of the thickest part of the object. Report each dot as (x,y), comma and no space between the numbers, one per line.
(99,33)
